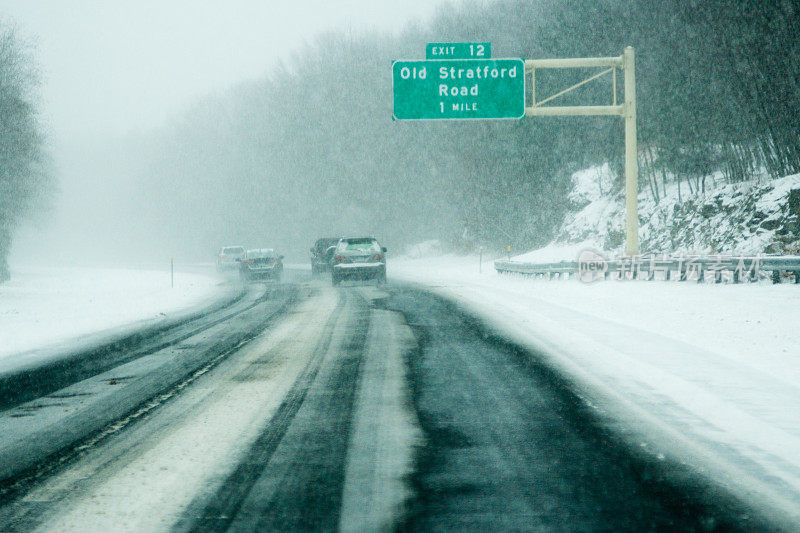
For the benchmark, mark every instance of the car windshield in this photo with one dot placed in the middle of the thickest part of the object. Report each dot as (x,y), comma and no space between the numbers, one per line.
(359,246)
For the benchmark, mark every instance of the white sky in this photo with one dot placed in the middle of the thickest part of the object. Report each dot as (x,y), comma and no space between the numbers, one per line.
(110,67)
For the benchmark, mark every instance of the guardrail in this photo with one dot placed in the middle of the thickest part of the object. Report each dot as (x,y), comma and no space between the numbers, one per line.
(648,267)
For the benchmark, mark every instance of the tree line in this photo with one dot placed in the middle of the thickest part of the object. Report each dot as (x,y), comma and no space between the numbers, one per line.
(311,149)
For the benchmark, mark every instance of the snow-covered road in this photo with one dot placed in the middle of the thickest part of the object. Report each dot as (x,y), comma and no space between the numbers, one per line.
(308,417)
(206,432)
(353,408)
(705,374)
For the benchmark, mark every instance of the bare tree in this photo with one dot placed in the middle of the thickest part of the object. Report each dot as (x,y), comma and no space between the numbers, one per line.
(24,179)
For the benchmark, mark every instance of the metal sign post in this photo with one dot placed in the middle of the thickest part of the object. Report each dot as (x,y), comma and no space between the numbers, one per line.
(631,163)
(627,110)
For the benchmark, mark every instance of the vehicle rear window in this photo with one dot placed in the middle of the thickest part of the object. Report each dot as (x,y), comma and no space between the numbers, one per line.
(360,245)
(257,254)
(233,250)
(323,244)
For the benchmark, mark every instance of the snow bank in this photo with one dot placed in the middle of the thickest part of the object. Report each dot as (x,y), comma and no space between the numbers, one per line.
(704,374)
(556,252)
(42,307)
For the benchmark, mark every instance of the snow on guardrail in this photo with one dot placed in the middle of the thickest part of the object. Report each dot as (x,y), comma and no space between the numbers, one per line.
(592,266)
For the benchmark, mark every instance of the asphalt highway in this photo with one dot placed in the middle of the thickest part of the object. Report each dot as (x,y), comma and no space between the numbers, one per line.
(310,407)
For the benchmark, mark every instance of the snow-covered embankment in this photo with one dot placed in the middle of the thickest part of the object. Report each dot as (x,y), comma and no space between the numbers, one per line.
(51,307)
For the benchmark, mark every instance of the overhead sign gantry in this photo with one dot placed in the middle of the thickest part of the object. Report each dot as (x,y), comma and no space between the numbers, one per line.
(455,83)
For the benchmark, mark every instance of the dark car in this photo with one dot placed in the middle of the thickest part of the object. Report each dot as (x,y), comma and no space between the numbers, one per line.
(261,263)
(321,254)
(358,258)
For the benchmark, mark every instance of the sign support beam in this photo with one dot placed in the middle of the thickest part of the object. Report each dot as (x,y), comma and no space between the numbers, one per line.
(627,111)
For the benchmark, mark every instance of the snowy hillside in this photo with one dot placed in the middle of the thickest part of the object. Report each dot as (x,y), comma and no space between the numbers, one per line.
(743,218)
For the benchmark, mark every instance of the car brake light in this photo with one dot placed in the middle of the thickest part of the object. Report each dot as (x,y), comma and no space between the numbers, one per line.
(222,256)
(340,258)
(377,257)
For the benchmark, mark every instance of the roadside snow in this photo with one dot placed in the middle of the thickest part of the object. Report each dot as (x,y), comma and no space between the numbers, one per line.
(705,374)
(45,307)
(555,252)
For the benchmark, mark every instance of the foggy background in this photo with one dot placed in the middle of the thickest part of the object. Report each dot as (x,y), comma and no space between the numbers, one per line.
(113,75)
(179,128)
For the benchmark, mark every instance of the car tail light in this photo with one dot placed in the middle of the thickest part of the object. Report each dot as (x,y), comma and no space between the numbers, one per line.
(377,257)
(340,258)
(222,256)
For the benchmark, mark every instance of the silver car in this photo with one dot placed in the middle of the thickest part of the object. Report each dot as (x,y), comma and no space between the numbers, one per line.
(358,258)
(228,258)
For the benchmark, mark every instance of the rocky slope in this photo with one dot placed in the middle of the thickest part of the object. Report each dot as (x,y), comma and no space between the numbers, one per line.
(742,218)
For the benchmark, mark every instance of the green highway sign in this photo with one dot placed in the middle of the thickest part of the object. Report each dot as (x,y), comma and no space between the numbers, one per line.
(458,51)
(459,89)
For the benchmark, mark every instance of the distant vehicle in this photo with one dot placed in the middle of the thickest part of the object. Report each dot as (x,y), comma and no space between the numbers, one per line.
(261,263)
(358,258)
(228,258)
(321,254)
